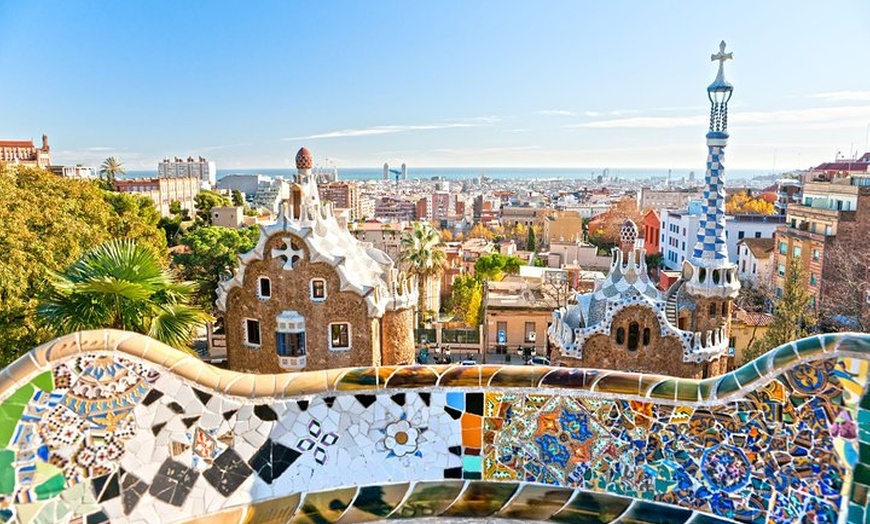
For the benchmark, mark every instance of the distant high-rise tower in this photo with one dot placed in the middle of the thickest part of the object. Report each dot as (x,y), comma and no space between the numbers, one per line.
(386,171)
(404,172)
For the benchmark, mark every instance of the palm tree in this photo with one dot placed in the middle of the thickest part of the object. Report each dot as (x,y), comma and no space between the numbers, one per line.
(422,254)
(122,285)
(111,168)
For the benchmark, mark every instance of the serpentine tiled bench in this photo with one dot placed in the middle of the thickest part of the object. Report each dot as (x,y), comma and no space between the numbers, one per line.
(112,426)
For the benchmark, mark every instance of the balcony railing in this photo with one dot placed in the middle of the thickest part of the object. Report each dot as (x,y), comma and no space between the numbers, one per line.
(798,233)
(292,362)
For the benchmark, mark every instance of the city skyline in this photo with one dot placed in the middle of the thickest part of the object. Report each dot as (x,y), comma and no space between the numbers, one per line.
(453,85)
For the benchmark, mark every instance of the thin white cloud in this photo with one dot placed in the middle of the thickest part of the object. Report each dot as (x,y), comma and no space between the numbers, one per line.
(391,129)
(485,150)
(555,112)
(844,96)
(217,148)
(644,122)
(838,116)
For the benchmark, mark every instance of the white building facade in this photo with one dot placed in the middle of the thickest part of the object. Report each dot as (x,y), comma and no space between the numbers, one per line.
(679,229)
(755,260)
(199,168)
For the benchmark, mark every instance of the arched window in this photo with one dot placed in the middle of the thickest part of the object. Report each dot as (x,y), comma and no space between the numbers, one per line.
(724,308)
(646,336)
(712,309)
(633,336)
(620,335)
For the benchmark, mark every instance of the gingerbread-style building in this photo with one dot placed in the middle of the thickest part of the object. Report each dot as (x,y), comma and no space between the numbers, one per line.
(628,324)
(310,296)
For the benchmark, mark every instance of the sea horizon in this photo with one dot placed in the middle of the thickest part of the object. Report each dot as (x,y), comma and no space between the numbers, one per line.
(496,173)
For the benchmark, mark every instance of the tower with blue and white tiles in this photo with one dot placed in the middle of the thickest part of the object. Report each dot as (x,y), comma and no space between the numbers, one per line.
(710,277)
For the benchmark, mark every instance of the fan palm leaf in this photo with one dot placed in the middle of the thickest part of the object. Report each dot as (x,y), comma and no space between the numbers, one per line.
(121,285)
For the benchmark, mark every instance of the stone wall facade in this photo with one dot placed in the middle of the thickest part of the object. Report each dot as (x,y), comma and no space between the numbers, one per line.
(291,291)
(397,335)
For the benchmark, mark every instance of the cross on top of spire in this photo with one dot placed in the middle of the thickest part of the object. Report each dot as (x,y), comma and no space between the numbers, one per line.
(720,84)
(721,56)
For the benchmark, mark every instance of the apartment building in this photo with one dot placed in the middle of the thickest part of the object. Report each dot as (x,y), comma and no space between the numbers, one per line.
(343,195)
(200,168)
(831,214)
(163,191)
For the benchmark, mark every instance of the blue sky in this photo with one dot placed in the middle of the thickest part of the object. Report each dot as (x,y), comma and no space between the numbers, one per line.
(561,84)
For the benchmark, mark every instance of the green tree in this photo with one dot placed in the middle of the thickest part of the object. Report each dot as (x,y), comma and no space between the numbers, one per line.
(422,256)
(494,266)
(48,222)
(213,253)
(137,218)
(531,241)
(204,201)
(110,169)
(238,198)
(793,316)
(121,285)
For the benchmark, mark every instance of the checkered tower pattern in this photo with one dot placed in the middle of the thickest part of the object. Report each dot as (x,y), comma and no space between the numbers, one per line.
(711,246)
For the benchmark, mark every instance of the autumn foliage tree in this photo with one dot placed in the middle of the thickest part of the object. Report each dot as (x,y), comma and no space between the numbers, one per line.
(743,203)
(604,228)
(466,299)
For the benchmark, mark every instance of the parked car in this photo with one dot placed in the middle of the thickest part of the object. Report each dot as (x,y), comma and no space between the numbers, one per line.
(538,361)
(468,363)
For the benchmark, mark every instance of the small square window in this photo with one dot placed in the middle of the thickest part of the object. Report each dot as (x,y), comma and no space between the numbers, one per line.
(252,332)
(264,288)
(339,336)
(815,254)
(741,234)
(780,270)
(318,289)
(758,234)
(797,251)
(531,335)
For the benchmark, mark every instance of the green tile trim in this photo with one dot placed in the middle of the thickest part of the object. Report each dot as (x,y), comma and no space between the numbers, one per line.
(7,472)
(11,411)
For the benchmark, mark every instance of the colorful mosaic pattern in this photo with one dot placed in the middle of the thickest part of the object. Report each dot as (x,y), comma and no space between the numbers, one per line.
(110,426)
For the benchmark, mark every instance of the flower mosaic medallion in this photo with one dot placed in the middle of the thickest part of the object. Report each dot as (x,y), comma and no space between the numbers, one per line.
(402,439)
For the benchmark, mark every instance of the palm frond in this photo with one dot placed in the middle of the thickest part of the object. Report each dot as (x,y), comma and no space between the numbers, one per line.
(175,324)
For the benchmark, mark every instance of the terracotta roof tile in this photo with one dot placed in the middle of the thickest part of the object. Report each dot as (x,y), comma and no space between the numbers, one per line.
(760,247)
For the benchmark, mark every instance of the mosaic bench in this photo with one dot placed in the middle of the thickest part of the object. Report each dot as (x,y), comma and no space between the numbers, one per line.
(104,426)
